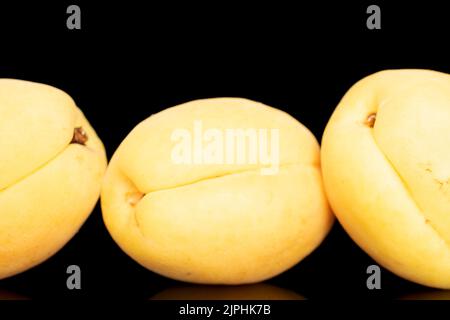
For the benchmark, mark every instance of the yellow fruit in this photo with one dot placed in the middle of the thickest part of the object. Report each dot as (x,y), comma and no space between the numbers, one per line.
(51,167)
(386,166)
(215,223)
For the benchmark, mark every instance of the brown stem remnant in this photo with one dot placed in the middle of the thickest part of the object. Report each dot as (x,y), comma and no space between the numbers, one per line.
(79,136)
(370,121)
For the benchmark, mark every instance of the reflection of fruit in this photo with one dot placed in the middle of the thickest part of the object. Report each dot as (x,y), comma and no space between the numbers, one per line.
(428,295)
(259,291)
(386,167)
(215,223)
(51,166)
(8,295)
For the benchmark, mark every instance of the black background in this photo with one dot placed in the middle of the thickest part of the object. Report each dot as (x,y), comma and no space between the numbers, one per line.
(130,61)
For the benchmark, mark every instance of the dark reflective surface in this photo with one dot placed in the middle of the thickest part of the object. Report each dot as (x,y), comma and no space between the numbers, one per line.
(260,291)
(427,295)
(9,295)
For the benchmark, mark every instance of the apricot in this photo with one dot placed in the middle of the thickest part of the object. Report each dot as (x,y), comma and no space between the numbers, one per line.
(183,203)
(386,168)
(51,167)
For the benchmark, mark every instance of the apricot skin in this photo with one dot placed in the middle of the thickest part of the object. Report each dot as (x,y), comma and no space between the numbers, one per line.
(387,177)
(48,185)
(215,224)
